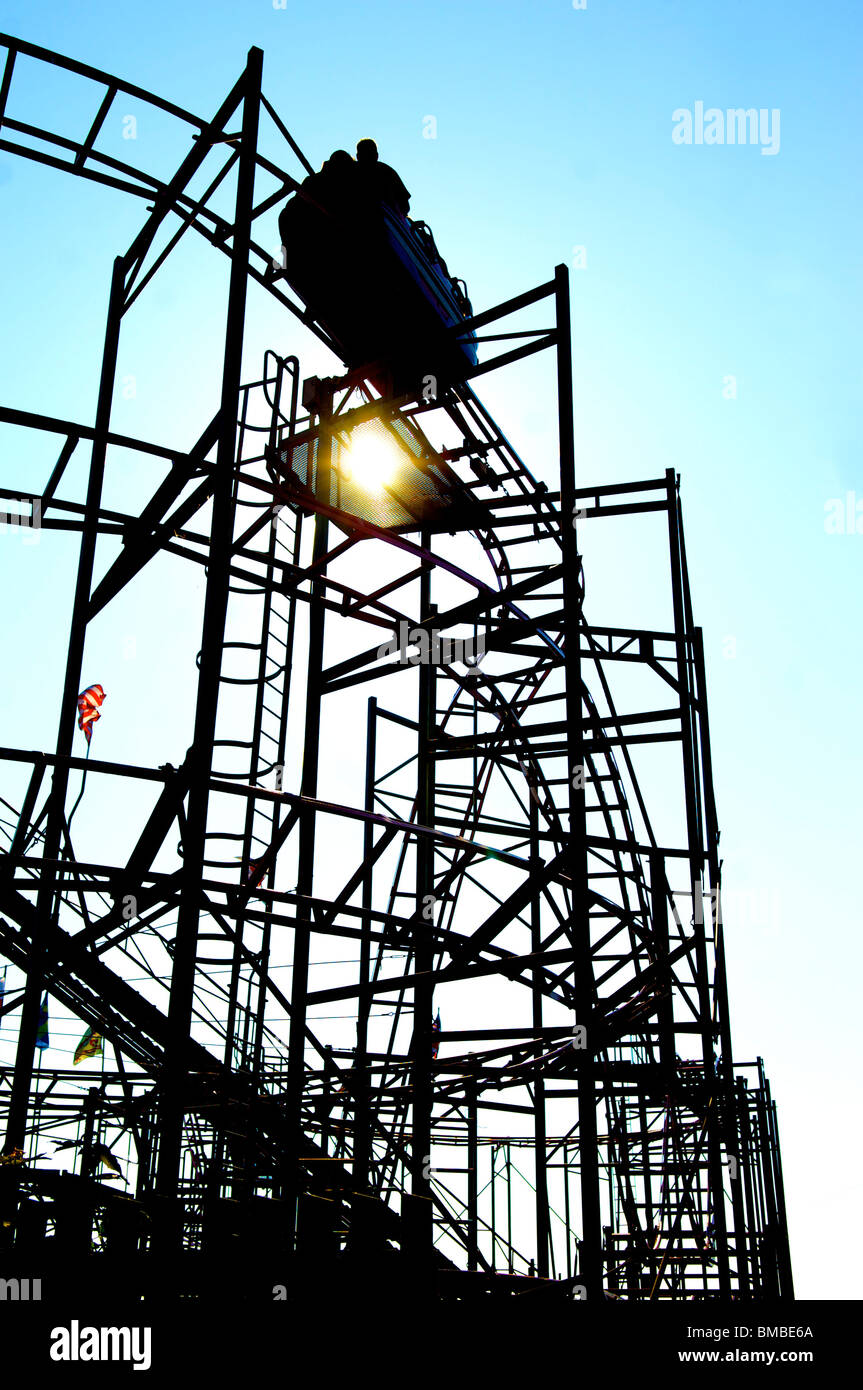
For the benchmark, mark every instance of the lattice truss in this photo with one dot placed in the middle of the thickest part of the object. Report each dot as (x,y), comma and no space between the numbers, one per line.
(421,781)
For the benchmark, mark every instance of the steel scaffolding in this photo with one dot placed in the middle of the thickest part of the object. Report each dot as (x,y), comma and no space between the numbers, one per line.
(483,853)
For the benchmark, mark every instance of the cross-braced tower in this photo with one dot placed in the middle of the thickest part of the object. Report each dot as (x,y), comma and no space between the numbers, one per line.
(400,972)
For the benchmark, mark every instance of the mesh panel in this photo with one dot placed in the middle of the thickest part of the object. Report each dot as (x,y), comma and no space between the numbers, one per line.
(377,473)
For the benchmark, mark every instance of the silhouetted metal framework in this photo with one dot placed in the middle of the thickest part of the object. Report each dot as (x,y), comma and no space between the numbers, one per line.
(584,1130)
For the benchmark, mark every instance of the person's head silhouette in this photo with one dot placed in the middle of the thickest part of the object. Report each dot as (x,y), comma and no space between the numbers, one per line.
(367,152)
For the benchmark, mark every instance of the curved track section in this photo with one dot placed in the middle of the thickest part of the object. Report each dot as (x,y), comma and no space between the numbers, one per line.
(413,791)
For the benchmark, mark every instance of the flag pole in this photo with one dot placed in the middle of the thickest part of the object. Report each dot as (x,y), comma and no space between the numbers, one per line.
(81,792)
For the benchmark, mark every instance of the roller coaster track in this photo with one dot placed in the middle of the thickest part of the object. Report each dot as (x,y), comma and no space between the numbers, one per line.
(501,830)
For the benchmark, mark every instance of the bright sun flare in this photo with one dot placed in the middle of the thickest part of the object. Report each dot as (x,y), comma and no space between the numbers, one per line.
(370,463)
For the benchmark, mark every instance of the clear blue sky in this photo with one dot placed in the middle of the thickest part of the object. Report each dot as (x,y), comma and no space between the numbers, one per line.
(703,263)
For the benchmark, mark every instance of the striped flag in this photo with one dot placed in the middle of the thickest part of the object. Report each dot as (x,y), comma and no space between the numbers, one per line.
(88,709)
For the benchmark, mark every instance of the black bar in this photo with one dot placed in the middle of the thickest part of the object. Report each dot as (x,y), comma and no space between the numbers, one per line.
(212,643)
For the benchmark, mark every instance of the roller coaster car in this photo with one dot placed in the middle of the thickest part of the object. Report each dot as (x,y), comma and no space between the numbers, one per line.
(377,285)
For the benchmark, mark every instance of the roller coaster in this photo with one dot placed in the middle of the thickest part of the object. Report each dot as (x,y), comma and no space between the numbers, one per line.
(392,982)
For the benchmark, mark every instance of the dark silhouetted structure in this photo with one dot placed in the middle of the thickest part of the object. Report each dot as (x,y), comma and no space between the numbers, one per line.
(265,946)
(374,281)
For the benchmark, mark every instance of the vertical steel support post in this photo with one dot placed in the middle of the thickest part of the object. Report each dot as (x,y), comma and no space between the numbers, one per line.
(212,644)
(777,1228)
(362,1114)
(539,1118)
(509,1205)
(307,822)
(748,1229)
(419,1227)
(783,1248)
(47,901)
(725,1077)
(472,1173)
(665,1012)
(493,1152)
(566,1218)
(696,866)
(590,1267)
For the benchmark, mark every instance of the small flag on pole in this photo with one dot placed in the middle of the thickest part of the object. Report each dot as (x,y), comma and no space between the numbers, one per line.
(88,709)
(42,1030)
(88,712)
(89,1046)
